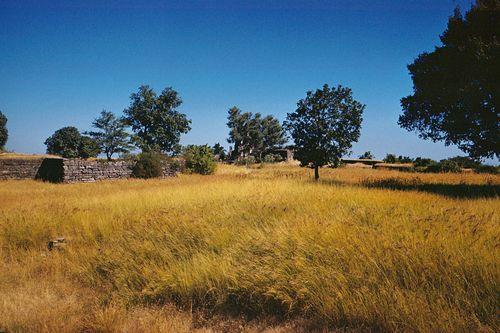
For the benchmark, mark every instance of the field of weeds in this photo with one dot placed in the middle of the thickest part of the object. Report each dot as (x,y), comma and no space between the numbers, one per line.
(252,250)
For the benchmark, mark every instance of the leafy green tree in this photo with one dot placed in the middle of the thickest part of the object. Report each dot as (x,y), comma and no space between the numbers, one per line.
(88,147)
(367,155)
(199,159)
(155,120)
(456,93)
(272,133)
(65,142)
(220,151)
(4,133)
(253,134)
(390,158)
(324,126)
(111,137)
(239,128)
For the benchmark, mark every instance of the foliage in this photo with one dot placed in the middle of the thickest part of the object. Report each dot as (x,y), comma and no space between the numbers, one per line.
(111,137)
(324,126)
(272,158)
(390,158)
(220,151)
(488,169)
(69,143)
(88,147)
(149,165)
(155,120)
(455,94)
(199,159)
(444,166)
(253,135)
(4,133)
(255,242)
(367,155)
(423,162)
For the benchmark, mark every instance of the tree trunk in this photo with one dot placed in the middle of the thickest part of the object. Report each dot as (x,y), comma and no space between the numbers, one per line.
(316,172)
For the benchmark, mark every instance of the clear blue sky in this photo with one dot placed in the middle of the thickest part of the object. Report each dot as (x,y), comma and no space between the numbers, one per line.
(62,62)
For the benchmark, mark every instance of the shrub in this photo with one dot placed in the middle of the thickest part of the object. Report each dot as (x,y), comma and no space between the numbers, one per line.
(149,165)
(444,166)
(4,134)
(272,158)
(488,169)
(199,159)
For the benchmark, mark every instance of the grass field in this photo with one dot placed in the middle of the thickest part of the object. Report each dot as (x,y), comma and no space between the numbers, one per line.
(245,249)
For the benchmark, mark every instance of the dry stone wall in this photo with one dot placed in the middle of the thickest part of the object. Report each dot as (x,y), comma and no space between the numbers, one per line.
(15,168)
(71,170)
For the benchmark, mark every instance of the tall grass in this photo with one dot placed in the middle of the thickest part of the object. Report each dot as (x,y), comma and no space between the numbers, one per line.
(352,251)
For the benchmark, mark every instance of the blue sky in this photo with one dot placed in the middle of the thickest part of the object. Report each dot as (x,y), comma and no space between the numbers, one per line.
(62,62)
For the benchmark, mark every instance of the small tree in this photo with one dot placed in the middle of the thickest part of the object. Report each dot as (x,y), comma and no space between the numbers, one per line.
(111,137)
(324,126)
(367,155)
(69,143)
(65,142)
(155,120)
(4,134)
(390,158)
(272,133)
(220,151)
(199,159)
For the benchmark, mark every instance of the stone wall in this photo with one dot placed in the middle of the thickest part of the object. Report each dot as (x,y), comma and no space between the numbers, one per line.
(77,170)
(16,168)
(70,170)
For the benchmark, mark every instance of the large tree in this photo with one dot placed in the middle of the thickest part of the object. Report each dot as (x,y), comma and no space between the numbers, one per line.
(4,134)
(324,126)
(155,120)
(456,89)
(69,143)
(253,134)
(112,137)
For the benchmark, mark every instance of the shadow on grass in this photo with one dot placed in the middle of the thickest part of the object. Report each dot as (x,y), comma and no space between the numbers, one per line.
(461,190)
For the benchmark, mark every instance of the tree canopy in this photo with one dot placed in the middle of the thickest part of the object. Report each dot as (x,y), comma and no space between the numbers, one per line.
(4,133)
(69,143)
(456,91)
(324,126)
(155,120)
(112,137)
(252,134)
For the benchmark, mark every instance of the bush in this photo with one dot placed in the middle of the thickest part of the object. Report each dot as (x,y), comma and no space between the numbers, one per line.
(149,165)
(272,158)
(444,166)
(199,159)
(488,169)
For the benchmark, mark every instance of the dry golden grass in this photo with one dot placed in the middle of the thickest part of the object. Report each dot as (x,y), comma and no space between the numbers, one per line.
(248,249)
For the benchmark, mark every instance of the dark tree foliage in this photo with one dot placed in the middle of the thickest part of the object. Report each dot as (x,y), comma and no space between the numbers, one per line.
(4,134)
(367,155)
(155,121)
(111,137)
(390,158)
(69,143)
(220,151)
(324,126)
(456,88)
(252,134)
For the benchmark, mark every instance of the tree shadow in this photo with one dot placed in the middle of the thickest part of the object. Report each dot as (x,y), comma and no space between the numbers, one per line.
(460,191)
